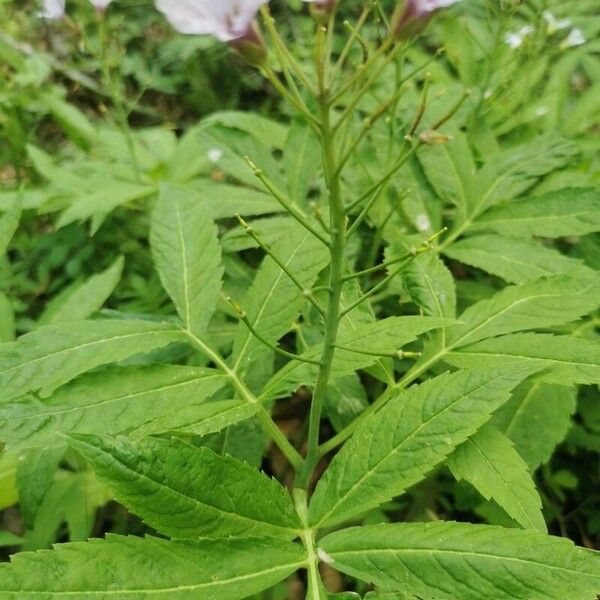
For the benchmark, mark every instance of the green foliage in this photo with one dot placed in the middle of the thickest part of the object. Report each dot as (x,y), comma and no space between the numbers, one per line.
(271,332)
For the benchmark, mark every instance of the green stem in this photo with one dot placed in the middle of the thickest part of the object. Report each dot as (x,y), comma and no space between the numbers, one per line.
(337,247)
(270,426)
(316,589)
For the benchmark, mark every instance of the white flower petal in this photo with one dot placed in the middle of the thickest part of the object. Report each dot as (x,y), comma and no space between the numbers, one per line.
(575,38)
(52,9)
(100,4)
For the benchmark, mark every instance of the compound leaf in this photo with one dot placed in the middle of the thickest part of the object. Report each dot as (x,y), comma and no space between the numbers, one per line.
(189,492)
(187,254)
(131,568)
(490,463)
(55,354)
(465,562)
(414,432)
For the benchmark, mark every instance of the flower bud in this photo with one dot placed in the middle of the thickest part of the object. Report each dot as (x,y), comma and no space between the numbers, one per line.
(411,16)
(321,9)
(251,46)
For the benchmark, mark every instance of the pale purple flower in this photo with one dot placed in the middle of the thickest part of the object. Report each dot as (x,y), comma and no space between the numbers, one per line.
(226,20)
(52,9)
(100,4)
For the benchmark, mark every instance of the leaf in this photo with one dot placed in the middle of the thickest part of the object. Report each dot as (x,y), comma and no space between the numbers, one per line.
(55,354)
(35,473)
(189,492)
(466,562)
(198,418)
(540,303)
(9,222)
(490,463)
(301,160)
(385,336)
(223,200)
(9,493)
(431,285)
(540,407)
(109,401)
(134,568)
(555,214)
(273,301)
(518,168)
(516,261)
(83,300)
(568,359)
(99,203)
(187,254)
(398,445)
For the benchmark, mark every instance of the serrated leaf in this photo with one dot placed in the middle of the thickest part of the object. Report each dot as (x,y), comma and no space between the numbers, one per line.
(273,301)
(409,436)
(83,300)
(55,354)
(187,254)
(131,568)
(562,213)
(198,418)
(110,401)
(189,492)
(515,260)
(466,562)
(301,159)
(568,359)
(490,463)
(540,407)
(540,303)
(385,336)
(518,168)
(431,285)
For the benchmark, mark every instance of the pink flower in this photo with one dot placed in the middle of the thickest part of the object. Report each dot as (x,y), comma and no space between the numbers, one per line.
(227,20)
(412,15)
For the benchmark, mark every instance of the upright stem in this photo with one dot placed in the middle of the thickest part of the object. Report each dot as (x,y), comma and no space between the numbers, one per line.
(337,226)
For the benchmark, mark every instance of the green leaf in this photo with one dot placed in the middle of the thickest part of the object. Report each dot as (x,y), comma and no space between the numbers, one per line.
(431,285)
(518,168)
(568,359)
(35,473)
(198,418)
(273,301)
(189,492)
(490,463)
(540,407)
(83,300)
(55,354)
(555,214)
(187,254)
(516,261)
(110,401)
(131,568)
(384,337)
(9,222)
(414,432)
(223,200)
(301,160)
(539,303)
(466,562)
